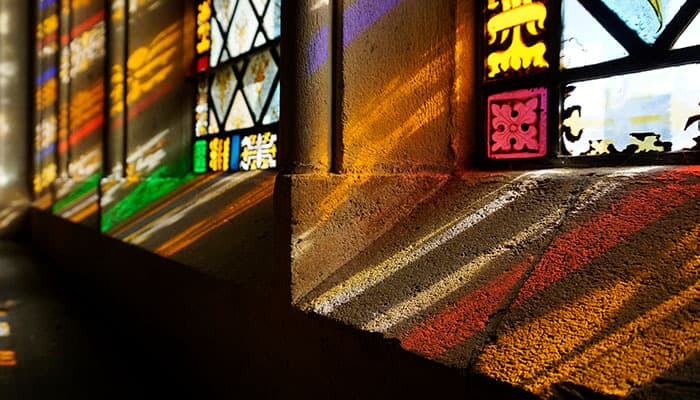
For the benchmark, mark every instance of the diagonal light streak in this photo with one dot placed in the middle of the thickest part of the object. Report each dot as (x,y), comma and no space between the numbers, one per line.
(455,280)
(181,211)
(368,278)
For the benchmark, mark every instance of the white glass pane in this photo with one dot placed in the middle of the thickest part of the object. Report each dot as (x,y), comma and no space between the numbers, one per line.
(691,35)
(640,112)
(258,79)
(239,118)
(584,40)
(222,88)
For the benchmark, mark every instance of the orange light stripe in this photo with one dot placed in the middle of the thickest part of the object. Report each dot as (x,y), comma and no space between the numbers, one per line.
(237,207)
(141,105)
(44,202)
(85,213)
(7,358)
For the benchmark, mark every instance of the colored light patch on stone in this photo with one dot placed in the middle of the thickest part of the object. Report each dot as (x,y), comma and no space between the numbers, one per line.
(4,329)
(7,358)
(517,124)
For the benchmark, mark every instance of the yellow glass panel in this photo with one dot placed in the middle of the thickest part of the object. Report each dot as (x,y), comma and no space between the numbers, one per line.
(511,25)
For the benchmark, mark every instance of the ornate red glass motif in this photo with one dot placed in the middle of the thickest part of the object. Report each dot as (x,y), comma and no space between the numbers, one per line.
(517,124)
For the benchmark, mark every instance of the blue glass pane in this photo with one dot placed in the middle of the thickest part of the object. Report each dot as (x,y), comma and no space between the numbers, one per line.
(646,17)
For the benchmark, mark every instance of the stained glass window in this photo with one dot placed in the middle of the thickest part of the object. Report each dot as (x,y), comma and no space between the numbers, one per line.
(570,79)
(237,104)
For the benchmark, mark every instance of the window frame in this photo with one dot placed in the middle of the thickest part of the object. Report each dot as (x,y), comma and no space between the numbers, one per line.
(555,79)
(208,72)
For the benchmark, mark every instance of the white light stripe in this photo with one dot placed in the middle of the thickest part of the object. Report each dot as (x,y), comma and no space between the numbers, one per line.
(179,212)
(457,279)
(368,278)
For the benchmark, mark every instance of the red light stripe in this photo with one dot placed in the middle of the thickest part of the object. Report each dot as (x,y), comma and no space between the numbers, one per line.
(578,247)
(81,133)
(459,321)
(87,24)
(46,40)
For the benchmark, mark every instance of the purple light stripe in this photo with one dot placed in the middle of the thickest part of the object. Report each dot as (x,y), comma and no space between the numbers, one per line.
(357,18)
(318,50)
(46,3)
(362,14)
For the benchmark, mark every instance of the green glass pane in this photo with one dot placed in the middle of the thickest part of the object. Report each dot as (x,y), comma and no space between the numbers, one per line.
(641,112)
(200,156)
(584,41)
(646,17)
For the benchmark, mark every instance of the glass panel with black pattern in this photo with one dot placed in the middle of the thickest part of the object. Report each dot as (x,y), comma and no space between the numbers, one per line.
(576,80)
(237,104)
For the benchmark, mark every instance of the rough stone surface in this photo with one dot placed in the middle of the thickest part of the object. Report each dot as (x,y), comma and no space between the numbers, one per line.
(539,279)
(398,86)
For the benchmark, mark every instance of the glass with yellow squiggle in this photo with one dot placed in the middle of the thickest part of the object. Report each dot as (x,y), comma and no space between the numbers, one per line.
(515,32)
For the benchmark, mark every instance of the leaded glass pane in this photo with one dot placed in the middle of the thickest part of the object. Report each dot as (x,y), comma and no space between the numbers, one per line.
(217,46)
(584,40)
(273,112)
(201,110)
(258,80)
(204,27)
(213,123)
(259,151)
(634,113)
(239,117)
(199,156)
(259,6)
(691,35)
(241,34)
(223,87)
(648,18)
(219,154)
(272,18)
(224,11)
